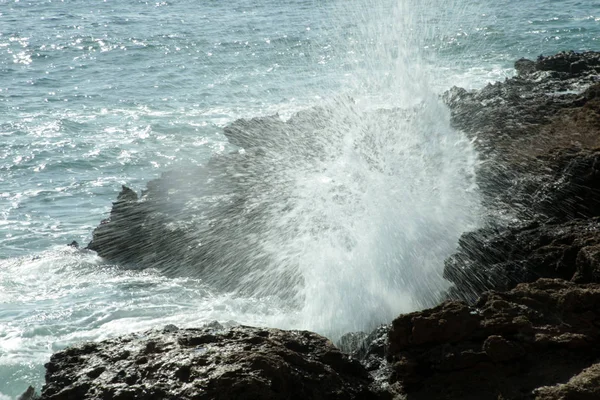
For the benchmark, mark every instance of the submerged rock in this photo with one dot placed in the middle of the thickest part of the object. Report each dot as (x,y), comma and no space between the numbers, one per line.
(236,363)
(505,347)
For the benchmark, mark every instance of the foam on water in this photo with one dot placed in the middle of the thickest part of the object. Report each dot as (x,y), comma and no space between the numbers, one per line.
(65,296)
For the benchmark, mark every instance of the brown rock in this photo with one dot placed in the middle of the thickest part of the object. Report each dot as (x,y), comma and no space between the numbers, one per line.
(583,386)
(500,349)
(511,343)
(236,363)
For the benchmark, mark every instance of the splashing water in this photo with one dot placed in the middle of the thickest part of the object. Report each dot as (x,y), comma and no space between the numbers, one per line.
(346,211)
(361,199)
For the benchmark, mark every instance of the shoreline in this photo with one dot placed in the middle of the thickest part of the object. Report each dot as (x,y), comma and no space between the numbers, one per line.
(526,285)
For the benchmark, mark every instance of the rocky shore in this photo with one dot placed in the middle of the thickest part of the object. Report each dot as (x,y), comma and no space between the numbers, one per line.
(522,320)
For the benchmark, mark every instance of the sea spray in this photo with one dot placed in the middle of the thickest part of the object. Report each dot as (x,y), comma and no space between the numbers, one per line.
(341,215)
(374,190)
(360,207)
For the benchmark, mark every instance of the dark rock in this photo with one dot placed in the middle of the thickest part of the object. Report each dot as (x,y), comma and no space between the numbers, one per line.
(351,342)
(538,137)
(30,394)
(584,386)
(524,66)
(501,257)
(506,346)
(238,363)
(569,62)
(208,222)
(369,349)
(170,328)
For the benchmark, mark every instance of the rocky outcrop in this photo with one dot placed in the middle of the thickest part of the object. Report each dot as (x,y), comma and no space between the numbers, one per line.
(538,341)
(537,134)
(512,345)
(208,363)
(584,386)
(539,139)
(501,257)
(536,335)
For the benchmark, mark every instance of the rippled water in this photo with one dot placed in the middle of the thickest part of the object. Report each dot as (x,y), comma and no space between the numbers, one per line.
(98,94)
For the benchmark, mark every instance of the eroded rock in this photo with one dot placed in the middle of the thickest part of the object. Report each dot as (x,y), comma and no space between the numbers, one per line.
(506,346)
(237,363)
(501,257)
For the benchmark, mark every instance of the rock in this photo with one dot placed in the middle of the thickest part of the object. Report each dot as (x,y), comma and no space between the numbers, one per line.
(506,346)
(170,328)
(569,62)
(210,221)
(501,257)
(538,137)
(237,363)
(584,386)
(352,342)
(369,350)
(30,394)
(524,66)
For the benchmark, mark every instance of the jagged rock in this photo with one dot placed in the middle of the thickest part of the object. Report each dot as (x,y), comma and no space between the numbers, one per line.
(237,363)
(501,257)
(584,386)
(537,135)
(30,394)
(524,66)
(351,342)
(570,62)
(506,346)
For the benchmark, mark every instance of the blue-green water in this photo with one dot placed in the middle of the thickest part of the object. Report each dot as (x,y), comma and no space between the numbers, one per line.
(96,94)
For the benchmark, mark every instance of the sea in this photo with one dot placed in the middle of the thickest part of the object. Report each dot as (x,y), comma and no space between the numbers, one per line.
(96,94)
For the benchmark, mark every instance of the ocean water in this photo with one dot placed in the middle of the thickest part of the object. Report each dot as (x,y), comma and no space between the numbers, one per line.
(97,94)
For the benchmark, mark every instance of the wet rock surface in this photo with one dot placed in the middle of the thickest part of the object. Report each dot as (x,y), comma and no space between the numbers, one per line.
(209,363)
(537,135)
(510,345)
(539,139)
(501,257)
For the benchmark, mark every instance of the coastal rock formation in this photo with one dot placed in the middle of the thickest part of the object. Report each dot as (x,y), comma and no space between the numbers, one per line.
(585,385)
(509,345)
(538,341)
(538,134)
(501,257)
(208,363)
(534,336)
